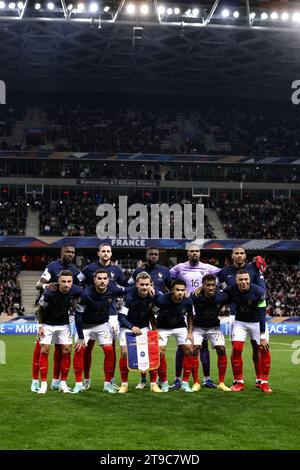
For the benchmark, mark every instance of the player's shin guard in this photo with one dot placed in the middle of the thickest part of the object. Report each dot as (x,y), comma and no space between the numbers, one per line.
(44,366)
(36,361)
(78,364)
(195,369)
(123,369)
(87,358)
(162,371)
(205,359)
(256,362)
(57,359)
(236,359)
(179,361)
(115,357)
(153,376)
(65,365)
(108,362)
(222,366)
(264,365)
(187,367)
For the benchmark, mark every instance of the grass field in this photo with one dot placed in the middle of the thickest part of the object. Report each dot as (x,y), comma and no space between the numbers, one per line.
(209,419)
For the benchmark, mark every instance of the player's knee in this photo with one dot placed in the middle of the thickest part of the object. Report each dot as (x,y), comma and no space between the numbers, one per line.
(45,349)
(221,350)
(67,349)
(196,350)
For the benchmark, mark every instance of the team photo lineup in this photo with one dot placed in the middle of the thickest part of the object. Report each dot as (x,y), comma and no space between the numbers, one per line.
(183,302)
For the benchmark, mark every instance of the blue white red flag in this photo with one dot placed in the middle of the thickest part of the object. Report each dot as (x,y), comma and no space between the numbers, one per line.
(142,351)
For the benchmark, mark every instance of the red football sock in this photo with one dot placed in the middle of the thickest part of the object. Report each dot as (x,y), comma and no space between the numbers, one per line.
(236,360)
(143,375)
(265,364)
(57,359)
(162,371)
(65,365)
(44,366)
(222,366)
(87,358)
(36,361)
(187,367)
(78,364)
(195,369)
(108,362)
(123,369)
(153,375)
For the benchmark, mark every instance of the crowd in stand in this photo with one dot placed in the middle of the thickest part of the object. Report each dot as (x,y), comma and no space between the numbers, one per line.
(283,291)
(10,292)
(13,218)
(223,130)
(260,218)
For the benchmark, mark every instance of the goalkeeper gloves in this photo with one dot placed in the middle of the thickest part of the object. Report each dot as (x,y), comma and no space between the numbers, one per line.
(260,263)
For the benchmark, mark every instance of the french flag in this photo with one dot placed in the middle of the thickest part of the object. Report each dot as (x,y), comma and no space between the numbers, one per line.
(142,351)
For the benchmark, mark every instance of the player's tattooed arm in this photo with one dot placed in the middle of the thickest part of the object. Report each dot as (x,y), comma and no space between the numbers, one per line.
(152,321)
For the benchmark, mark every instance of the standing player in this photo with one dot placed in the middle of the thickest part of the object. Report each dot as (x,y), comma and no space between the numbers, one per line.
(192,272)
(173,308)
(116,276)
(47,281)
(206,324)
(250,320)
(53,318)
(92,322)
(135,316)
(161,280)
(227,276)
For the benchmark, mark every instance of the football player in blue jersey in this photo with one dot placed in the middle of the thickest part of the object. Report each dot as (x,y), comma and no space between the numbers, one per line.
(49,280)
(116,276)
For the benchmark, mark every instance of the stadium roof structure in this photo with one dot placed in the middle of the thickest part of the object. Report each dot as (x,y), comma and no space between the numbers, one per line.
(146,54)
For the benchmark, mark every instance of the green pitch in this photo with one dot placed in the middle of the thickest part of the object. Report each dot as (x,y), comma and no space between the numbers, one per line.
(209,419)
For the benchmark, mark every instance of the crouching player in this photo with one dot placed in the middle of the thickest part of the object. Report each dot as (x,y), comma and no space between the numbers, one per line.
(250,320)
(208,302)
(53,318)
(135,316)
(173,308)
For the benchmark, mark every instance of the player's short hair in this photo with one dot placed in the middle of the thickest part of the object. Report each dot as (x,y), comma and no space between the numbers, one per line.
(104,244)
(208,278)
(65,272)
(237,247)
(143,275)
(100,271)
(67,245)
(189,246)
(179,282)
(242,271)
(150,248)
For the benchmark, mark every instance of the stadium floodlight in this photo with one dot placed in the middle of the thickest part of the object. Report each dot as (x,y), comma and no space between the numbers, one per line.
(169,11)
(37,6)
(176,11)
(144,9)
(11,5)
(161,10)
(225,13)
(106,9)
(252,15)
(2,5)
(50,6)
(80,7)
(296,17)
(285,16)
(195,12)
(130,9)
(264,16)
(20,5)
(236,14)
(70,7)
(93,7)
(274,15)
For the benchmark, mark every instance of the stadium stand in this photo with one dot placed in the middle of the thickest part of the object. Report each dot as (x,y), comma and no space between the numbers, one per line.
(10,292)
(13,217)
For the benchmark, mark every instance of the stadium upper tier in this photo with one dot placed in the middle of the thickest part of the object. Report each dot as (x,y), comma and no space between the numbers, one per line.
(222,130)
